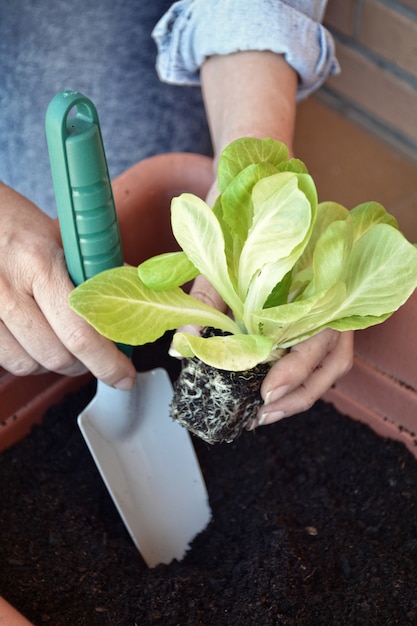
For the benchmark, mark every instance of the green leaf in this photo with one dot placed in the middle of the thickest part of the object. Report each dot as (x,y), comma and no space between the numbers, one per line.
(237,202)
(199,234)
(328,232)
(293,165)
(357,322)
(283,218)
(327,213)
(380,275)
(247,151)
(377,277)
(232,352)
(330,256)
(367,215)
(168,270)
(290,323)
(120,307)
(279,294)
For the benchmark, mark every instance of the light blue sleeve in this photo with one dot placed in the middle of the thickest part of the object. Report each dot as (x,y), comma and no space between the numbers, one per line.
(193,30)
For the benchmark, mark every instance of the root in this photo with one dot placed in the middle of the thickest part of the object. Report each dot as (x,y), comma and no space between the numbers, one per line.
(216,405)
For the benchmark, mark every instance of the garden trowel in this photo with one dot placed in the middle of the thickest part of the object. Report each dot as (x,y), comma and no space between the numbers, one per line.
(146,460)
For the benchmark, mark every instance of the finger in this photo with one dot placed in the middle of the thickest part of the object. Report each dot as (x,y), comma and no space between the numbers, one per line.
(301,393)
(71,349)
(29,343)
(14,358)
(52,334)
(99,355)
(202,290)
(295,367)
(81,344)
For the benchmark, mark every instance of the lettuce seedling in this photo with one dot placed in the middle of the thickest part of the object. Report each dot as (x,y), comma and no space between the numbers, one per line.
(286,266)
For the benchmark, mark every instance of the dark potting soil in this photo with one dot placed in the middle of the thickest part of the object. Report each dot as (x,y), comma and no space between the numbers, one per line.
(314,523)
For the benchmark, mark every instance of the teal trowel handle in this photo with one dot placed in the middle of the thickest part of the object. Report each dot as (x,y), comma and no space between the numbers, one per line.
(84,198)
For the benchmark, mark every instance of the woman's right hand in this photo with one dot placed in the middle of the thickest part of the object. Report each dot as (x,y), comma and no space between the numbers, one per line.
(38,330)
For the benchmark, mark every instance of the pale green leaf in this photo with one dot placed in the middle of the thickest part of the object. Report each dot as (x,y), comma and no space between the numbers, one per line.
(348,323)
(327,213)
(380,275)
(289,323)
(293,165)
(283,218)
(237,202)
(357,322)
(367,215)
(199,234)
(330,256)
(246,151)
(330,241)
(120,307)
(232,352)
(168,270)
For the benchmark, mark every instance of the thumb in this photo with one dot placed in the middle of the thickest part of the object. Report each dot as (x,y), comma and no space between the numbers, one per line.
(202,290)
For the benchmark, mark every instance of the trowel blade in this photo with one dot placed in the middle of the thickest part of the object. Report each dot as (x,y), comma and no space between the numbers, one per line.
(149,466)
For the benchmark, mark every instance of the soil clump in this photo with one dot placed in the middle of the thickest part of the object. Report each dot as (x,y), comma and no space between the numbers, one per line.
(213,404)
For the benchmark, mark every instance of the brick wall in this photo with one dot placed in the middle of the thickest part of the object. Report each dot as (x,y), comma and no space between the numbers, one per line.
(376,43)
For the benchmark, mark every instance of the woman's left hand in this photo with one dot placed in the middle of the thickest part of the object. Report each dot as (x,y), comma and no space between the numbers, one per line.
(299,378)
(302,376)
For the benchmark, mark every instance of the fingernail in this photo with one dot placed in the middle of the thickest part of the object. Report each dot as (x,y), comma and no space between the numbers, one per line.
(270,417)
(191,329)
(174,353)
(125,383)
(276,394)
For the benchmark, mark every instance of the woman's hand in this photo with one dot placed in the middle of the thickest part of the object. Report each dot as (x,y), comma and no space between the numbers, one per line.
(38,330)
(302,376)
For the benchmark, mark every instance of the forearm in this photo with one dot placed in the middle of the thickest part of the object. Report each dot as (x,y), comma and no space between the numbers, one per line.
(249,94)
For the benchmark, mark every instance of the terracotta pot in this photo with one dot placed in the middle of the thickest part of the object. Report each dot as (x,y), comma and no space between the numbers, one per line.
(381,388)
(10,617)
(143,196)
